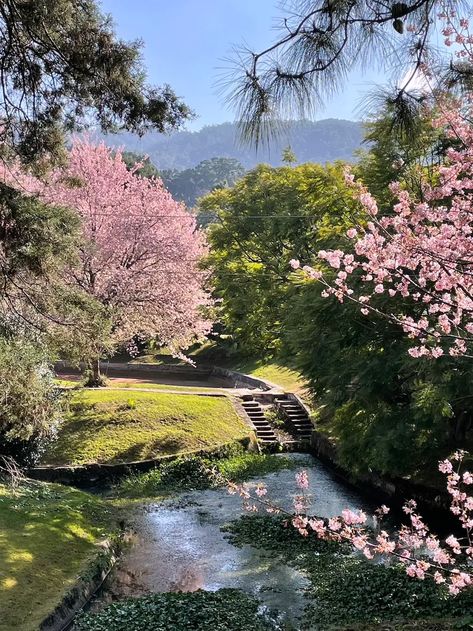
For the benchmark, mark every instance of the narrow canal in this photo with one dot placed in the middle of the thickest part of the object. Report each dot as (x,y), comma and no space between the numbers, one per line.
(180,546)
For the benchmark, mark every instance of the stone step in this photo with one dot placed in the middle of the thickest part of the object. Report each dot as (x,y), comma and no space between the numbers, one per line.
(300,424)
(297,415)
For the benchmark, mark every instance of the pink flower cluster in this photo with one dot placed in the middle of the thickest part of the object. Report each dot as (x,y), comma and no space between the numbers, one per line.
(422,251)
(413,545)
(141,250)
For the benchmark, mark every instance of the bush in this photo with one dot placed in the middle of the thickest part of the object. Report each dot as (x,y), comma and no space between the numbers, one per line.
(30,403)
(224,610)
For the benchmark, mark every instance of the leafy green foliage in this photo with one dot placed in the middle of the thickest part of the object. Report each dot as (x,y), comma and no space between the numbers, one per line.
(269,217)
(30,404)
(36,241)
(147,168)
(347,590)
(189,473)
(397,154)
(63,66)
(385,410)
(223,610)
(190,184)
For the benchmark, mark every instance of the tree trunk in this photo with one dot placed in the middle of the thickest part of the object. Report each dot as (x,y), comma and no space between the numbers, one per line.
(95,379)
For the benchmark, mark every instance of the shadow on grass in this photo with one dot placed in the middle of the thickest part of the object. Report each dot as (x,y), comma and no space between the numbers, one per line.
(47,535)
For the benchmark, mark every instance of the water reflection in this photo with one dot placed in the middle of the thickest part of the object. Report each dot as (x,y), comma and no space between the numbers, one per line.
(180,545)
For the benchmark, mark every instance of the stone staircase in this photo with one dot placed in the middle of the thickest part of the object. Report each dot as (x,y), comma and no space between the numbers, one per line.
(263,430)
(297,420)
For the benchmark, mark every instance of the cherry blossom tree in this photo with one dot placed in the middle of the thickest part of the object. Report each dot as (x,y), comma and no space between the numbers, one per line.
(420,254)
(141,251)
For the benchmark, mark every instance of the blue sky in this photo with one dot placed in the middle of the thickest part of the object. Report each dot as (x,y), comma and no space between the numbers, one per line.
(186,40)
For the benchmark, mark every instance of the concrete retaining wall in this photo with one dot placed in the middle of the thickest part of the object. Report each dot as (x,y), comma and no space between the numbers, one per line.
(239,380)
(84,589)
(229,378)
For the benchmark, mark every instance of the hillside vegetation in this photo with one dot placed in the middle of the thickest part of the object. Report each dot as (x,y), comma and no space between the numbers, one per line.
(321,141)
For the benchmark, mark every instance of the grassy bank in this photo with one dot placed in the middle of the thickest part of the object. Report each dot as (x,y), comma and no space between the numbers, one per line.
(49,535)
(348,592)
(115,426)
(189,473)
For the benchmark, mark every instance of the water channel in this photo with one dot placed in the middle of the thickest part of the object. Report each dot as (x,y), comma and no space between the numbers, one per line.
(179,544)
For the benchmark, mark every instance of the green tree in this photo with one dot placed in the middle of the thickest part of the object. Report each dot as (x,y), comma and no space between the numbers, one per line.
(29,405)
(64,67)
(288,156)
(384,410)
(190,184)
(406,156)
(269,217)
(146,170)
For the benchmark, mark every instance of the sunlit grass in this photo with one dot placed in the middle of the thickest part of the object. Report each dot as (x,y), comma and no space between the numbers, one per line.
(48,535)
(119,426)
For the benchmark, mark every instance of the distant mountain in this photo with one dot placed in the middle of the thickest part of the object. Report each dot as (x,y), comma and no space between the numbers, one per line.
(321,141)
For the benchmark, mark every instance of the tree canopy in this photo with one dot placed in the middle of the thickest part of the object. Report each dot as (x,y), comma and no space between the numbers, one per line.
(63,67)
(268,218)
(140,249)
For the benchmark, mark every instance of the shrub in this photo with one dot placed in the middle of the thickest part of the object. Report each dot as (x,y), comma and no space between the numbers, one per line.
(198,472)
(30,403)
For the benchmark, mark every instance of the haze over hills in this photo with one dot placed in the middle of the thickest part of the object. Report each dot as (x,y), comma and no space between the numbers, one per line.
(321,141)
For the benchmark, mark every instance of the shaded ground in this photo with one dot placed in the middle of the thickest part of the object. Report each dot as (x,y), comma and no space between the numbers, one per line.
(145,378)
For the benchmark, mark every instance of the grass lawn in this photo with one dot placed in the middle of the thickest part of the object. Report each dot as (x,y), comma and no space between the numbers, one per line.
(48,536)
(137,384)
(287,378)
(117,426)
(210,353)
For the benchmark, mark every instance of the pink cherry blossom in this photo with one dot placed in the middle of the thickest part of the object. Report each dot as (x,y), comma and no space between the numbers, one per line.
(141,248)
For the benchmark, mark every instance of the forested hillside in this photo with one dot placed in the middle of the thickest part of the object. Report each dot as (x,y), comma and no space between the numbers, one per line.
(320,141)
